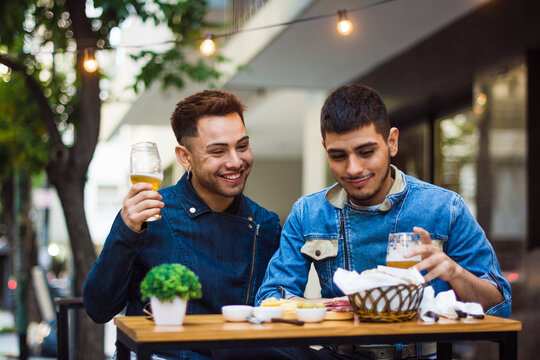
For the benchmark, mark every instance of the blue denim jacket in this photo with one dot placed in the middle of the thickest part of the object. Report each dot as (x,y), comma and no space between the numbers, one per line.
(229,254)
(314,233)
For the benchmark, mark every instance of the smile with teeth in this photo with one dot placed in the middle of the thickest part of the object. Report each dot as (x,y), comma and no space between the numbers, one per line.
(232,176)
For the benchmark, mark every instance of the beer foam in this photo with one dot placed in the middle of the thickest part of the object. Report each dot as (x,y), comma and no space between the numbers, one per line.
(157,175)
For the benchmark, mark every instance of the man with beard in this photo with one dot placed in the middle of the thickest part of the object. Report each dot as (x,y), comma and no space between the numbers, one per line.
(207,224)
(347,224)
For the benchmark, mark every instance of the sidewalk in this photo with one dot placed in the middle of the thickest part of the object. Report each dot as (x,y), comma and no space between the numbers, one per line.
(9,341)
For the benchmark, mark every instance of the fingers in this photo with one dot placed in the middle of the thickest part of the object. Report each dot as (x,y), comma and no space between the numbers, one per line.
(434,260)
(438,265)
(424,235)
(426,246)
(140,203)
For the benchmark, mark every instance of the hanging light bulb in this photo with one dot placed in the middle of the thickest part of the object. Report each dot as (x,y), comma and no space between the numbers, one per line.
(344,25)
(480,102)
(208,47)
(90,63)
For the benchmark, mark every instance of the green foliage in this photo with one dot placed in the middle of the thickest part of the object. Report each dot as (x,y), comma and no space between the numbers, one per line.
(167,281)
(185,19)
(23,139)
(32,29)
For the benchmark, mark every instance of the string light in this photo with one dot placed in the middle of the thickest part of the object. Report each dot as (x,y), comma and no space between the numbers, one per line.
(344,25)
(480,102)
(90,63)
(208,47)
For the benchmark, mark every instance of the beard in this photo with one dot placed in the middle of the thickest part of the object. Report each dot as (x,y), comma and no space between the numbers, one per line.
(365,195)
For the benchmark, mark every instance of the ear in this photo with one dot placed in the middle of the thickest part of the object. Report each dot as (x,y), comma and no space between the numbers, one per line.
(393,141)
(184,157)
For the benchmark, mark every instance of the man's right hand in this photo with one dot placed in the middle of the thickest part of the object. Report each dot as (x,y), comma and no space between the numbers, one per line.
(140,203)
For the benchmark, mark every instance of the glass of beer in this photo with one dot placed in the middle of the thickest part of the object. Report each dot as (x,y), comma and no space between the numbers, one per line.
(399,244)
(145,166)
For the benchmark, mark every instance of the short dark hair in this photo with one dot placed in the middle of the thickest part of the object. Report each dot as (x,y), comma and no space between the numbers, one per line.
(205,103)
(351,107)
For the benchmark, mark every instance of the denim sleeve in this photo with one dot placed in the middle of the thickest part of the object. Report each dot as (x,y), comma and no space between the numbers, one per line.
(287,272)
(106,287)
(469,247)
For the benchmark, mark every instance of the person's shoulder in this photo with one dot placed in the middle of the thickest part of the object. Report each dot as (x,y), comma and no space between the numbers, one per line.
(318,198)
(313,202)
(260,210)
(167,191)
(318,195)
(420,185)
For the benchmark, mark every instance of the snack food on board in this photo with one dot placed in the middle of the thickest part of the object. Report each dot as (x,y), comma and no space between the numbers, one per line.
(339,309)
(289,306)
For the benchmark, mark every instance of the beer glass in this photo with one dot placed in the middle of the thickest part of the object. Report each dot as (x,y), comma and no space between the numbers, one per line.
(399,244)
(145,166)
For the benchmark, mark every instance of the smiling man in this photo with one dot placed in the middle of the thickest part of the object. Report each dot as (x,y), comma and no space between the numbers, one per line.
(347,224)
(207,223)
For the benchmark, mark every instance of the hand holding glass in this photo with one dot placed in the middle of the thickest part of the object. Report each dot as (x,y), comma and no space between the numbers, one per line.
(145,166)
(399,244)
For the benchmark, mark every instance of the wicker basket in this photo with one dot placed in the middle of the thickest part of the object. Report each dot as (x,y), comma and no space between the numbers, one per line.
(388,304)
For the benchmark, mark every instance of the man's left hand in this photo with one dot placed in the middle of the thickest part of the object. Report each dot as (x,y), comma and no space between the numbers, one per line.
(434,260)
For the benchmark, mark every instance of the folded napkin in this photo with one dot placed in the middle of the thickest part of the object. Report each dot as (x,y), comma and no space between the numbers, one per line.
(351,282)
(446,304)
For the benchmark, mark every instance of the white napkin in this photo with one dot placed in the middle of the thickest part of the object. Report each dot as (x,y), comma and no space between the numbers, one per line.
(446,304)
(351,282)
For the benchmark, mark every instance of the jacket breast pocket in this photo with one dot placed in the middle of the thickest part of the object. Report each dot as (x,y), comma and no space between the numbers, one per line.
(324,254)
(438,240)
(319,249)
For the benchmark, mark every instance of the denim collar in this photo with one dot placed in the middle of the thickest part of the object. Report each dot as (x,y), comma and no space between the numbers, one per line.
(337,196)
(195,206)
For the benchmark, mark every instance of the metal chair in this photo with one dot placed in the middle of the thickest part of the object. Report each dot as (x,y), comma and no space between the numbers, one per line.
(63,305)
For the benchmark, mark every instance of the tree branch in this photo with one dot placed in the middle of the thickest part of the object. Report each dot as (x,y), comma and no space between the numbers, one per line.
(87,130)
(47,114)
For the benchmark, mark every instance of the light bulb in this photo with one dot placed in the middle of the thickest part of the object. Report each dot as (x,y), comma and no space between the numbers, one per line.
(208,47)
(90,63)
(344,25)
(480,102)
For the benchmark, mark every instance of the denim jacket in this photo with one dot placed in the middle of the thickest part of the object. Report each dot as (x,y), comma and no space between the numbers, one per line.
(229,254)
(318,224)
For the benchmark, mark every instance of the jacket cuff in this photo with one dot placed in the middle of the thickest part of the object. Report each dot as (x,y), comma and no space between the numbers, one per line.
(126,232)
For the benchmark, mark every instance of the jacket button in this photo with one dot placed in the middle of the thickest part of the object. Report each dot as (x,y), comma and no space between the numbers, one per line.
(318,253)
(192,210)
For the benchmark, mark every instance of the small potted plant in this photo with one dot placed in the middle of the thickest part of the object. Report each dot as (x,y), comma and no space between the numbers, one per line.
(169,287)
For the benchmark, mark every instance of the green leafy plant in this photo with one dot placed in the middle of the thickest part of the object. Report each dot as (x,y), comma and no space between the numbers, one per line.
(167,281)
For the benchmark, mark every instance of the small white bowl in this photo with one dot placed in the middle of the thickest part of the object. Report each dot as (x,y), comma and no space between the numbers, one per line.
(310,314)
(265,313)
(236,312)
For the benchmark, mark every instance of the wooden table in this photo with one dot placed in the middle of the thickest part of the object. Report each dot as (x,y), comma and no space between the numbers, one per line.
(140,335)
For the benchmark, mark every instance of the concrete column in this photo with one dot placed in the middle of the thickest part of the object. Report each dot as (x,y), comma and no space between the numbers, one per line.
(313,166)
(314,157)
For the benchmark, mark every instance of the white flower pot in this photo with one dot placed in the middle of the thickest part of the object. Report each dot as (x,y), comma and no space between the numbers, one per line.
(169,312)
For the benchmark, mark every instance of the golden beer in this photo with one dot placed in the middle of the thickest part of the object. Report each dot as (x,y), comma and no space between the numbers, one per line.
(150,179)
(400,244)
(145,166)
(402,264)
